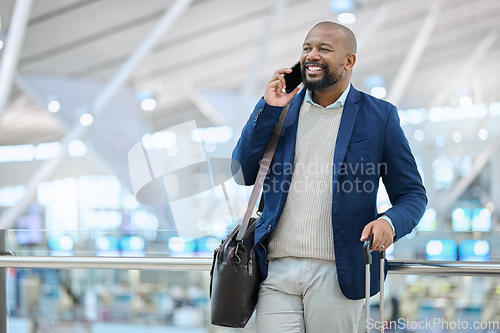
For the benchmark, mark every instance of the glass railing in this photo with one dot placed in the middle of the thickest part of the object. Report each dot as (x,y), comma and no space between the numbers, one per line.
(163,286)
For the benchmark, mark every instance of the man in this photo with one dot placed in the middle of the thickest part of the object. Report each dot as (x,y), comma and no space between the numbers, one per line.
(320,193)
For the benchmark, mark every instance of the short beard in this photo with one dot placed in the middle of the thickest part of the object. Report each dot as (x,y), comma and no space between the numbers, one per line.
(328,79)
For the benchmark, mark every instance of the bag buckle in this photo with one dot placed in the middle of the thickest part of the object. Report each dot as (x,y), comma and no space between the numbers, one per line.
(237,259)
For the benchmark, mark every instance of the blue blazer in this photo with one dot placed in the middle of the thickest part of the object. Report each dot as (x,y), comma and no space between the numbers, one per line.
(370,145)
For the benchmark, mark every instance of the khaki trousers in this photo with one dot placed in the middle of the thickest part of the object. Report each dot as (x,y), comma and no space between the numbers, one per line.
(303,295)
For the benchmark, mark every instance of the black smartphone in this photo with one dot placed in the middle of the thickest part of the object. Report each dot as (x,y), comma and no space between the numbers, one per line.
(294,78)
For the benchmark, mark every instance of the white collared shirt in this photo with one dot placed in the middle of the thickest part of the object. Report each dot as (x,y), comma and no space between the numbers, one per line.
(340,102)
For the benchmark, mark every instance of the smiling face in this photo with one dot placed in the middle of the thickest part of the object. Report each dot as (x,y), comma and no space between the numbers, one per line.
(325,59)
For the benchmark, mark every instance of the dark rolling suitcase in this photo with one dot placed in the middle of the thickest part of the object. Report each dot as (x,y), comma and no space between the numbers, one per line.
(368,262)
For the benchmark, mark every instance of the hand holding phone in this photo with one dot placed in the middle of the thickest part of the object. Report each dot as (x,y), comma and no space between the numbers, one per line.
(289,78)
(294,78)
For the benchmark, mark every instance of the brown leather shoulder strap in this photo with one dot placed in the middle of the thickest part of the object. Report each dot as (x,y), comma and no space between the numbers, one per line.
(263,170)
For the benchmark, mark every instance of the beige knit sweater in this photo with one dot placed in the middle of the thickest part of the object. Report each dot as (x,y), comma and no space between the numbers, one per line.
(304,229)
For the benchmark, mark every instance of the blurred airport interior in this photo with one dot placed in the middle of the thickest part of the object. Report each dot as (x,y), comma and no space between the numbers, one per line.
(118,119)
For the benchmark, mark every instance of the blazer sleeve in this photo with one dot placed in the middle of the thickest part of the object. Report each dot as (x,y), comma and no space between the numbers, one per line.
(253,142)
(401,179)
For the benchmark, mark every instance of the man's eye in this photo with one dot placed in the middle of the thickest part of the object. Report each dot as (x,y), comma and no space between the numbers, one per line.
(306,49)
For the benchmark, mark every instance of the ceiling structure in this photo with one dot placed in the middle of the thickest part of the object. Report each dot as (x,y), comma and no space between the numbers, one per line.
(221,45)
(213,61)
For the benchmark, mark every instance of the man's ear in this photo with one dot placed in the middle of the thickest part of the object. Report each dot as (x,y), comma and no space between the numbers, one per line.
(351,60)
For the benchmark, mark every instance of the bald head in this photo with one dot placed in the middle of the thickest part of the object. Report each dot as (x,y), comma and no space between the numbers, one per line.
(349,38)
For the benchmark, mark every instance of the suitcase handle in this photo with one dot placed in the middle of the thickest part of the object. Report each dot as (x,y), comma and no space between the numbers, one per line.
(366,250)
(368,261)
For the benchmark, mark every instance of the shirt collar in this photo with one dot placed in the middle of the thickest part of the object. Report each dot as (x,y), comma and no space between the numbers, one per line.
(337,104)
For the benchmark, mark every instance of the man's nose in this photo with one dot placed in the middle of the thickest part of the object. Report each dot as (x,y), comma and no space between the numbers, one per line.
(313,55)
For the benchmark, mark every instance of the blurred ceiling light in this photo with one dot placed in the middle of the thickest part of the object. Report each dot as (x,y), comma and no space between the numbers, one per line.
(176,244)
(378,92)
(148,104)
(342,6)
(442,171)
(436,114)
(373,81)
(159,140)
(219,134)
(483,134)
(346,18)
(66,243)
(495,109)
(48,150)
(146,100)
(465,166)
(418,134)
(416,116)
(17,153)
(434,247)
(103,243)
(440,141)
(465,101)
(376,85)
(77,148)
(137,243)
(481,248)
(1,44)
(53,106)
(218,228)
(86,119)
(457,136)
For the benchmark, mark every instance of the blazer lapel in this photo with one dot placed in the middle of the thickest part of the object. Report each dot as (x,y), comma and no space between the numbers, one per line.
(293,112)
(347,122)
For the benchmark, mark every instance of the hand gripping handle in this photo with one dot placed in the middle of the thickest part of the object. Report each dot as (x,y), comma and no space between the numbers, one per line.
(366,250)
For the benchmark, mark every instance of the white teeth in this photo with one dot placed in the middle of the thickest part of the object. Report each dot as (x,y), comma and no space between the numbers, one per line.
(314,68)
